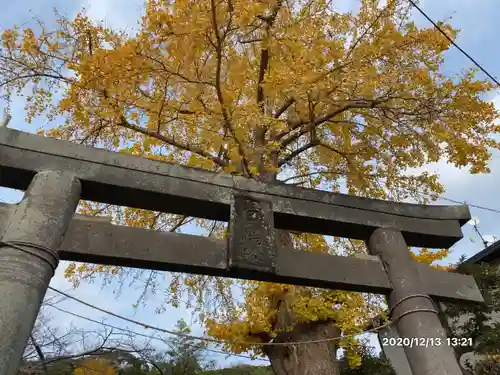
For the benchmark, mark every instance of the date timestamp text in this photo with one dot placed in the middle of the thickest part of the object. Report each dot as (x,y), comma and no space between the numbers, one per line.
(411,342)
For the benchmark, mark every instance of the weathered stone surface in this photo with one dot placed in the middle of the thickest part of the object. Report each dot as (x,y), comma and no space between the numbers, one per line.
(5,211)
(137,182)
(443,284)
(395,353)
(96,241)
(31,235)
(411,308)
(251,242)
(253,210)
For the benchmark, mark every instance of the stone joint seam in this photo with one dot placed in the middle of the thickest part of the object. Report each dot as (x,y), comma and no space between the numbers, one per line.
(36,250)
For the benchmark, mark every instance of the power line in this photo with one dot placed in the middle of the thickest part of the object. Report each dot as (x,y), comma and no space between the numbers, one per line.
(282,195)
(421,193)
(437,27)
(458,202)
(210,183)
(49,299)
(453,42)
(216,341)
(471,205)
(151,336)
(309,200)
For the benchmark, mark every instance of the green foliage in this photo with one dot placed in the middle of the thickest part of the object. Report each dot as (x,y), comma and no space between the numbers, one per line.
(242,370)
(184,357)
(184,364)
(370,365)
(62,367)
(185,354)
(488,367)
(478,325)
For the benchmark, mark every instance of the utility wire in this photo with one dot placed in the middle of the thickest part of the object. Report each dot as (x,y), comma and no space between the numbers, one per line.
(441,197)
(151,336)
(471,205)
(208,339)
(458,202)
(453,42)
(210,183)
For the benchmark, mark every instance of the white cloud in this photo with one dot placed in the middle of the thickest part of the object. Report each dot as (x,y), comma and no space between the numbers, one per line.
(449,174)
(474,221)
(116,14)
(345,6)
(489,239)
(460,185)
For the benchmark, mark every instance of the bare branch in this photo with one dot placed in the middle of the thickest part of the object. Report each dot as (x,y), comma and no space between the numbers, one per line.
(297,152)
(264,67)
(218,88)
(242,41)
(180,223)
(171,141)
(39,353)
(284,107)
(321,119)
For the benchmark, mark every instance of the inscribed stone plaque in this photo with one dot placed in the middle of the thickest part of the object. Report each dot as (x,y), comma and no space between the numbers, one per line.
(251,235)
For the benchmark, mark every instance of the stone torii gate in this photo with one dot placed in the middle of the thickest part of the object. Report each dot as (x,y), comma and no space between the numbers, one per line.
(56,174)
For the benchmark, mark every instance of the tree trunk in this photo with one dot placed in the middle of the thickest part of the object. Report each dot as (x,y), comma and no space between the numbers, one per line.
(306,359)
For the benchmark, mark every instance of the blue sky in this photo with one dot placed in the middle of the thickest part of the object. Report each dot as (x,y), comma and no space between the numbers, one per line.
(478,21)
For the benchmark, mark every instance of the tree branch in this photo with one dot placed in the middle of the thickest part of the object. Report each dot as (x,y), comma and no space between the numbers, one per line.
(218,89)
(321,119)
(176,74)
(264,52)
(331,148)
(180,223)
(39,353)
(35,75)
(162,105)
(306,175)
(264,67)
(171,141)
(264,62)
(297,152)
(284,107)
(242,41)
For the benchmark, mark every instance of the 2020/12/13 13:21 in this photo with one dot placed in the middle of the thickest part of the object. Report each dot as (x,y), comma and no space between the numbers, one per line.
(426,341)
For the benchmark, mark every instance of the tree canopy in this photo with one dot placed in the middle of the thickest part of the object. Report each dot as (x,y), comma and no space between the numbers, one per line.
(279,91)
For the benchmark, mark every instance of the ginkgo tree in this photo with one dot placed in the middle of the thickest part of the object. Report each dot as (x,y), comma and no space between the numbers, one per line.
(95,366)
(278,91)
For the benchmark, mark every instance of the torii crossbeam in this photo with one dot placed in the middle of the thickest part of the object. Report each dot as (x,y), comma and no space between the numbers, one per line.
(57,174)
